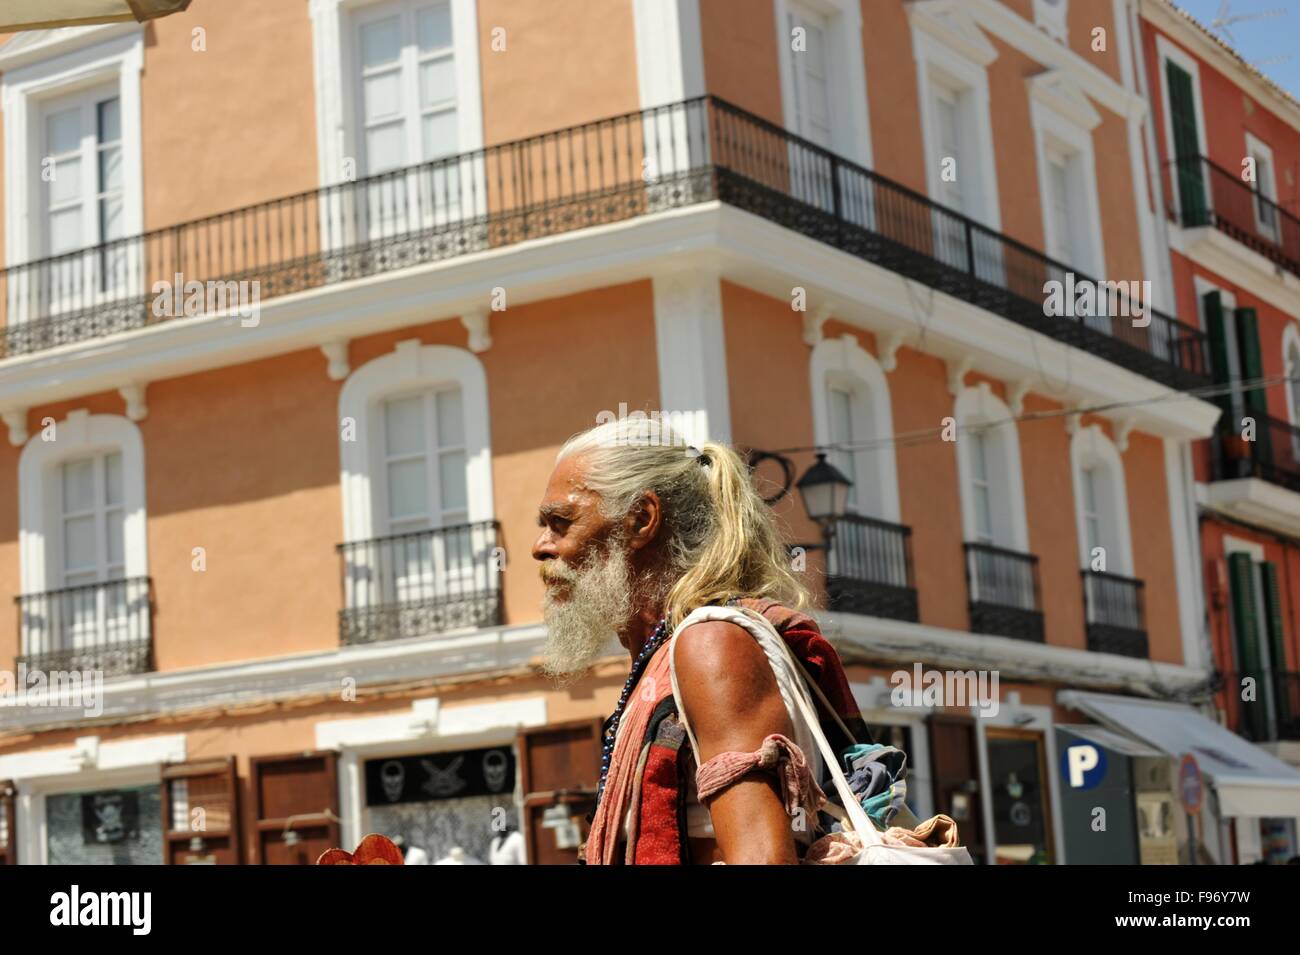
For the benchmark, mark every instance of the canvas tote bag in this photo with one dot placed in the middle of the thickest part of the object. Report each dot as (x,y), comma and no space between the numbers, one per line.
(858,828)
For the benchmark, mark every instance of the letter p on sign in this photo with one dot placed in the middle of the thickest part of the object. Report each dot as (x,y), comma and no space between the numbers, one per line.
(1081,759)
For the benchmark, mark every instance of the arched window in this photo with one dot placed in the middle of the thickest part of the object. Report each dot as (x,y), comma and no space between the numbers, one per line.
(418,517)
(850,397)
(414,442)
(85,587)
(1101,502)
(988,464)
(1002,578)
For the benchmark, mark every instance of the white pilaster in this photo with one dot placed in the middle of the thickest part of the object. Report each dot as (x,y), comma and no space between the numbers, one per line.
(692,354)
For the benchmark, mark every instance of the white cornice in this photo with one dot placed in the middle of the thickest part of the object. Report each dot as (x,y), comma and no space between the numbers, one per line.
(1255,502)
(1171,22)
(443,656)
(1059,92)
(31,47)
(741,247)
(1223,255)
(1011,28)
(952,25)
(896,641)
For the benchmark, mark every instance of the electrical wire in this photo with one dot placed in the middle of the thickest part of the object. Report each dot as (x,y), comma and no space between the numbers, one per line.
(911,438)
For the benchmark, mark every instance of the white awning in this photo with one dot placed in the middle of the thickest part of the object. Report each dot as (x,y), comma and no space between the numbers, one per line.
(1119,742)
(1248,780)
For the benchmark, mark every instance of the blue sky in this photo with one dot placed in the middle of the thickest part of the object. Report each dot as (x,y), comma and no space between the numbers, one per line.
(1262,39)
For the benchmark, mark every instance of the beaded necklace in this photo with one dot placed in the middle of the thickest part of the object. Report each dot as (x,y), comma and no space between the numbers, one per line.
(610,727)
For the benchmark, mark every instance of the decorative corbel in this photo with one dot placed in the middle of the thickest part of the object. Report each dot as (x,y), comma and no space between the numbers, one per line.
(336,353)
(16,421)
(957,371)
(1016,391)
(813,322)
(476,323)
(133,395)
(889,343)
(1123,428)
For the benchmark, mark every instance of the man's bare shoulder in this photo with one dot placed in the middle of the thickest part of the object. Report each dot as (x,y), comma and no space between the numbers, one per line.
(722,655)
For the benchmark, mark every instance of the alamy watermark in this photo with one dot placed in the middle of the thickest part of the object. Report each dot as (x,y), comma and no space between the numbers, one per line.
(1074,297)
(179,297)
(649,428)
(958,688)
(29,686)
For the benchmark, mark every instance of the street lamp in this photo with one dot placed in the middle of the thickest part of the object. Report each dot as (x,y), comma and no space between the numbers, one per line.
(41,14)
(825,493)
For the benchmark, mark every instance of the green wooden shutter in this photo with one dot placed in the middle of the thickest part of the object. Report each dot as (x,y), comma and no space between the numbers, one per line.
(1276,642)
(1217,330)
(1256,401)
(1245,626)
(1187,146)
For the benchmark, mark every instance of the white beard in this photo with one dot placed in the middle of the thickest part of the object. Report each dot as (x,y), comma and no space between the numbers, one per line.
(597,606)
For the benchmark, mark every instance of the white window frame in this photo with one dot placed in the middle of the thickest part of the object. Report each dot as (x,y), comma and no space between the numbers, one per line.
(1092,448)
(847,88)
(843,362)
(1266,186)
(99,511)
(338,114)
(79,435)
(410,367)
(1064,122)
(25,89)
(978,406)
(951,51)
(429,454)
(1166,52)
(1053,18)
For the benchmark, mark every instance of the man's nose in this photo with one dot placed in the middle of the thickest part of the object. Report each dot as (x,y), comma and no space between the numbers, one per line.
(543,549)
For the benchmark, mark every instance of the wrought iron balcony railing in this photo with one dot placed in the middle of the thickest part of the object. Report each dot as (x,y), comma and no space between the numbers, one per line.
(1003,592)
(1273,455)
(616,169)
(104,627)
(1263,707)
(421,583)
(870,569)
(1115,614)
(1209,195)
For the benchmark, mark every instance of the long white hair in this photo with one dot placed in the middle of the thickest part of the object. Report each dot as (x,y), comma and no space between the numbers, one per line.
(720,538)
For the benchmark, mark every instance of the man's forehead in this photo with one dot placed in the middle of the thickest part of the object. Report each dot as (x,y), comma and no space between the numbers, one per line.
(567,488)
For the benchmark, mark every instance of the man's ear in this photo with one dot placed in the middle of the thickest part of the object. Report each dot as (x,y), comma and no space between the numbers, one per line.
(645,520)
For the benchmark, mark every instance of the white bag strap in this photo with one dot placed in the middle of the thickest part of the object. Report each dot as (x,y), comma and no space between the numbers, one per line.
(857,819)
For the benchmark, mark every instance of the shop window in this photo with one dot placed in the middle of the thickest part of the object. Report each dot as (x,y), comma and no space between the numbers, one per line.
(447,805)
(105,827)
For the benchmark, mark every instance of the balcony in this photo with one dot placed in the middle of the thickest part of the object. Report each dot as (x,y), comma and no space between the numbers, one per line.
(1209,195)
(1003,589)
(1115,614)
(633,165)
(421,583)
(870,569)
(1274,713)
(104,627)
(1274,455)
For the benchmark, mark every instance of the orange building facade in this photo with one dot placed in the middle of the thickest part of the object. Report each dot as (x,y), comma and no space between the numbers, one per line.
(303,298)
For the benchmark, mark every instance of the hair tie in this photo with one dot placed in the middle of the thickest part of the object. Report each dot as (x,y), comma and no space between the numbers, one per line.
(700,456)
